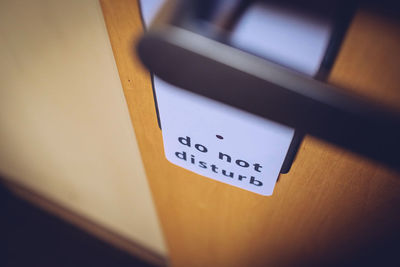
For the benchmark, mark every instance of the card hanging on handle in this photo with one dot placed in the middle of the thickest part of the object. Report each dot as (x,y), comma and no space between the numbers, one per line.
(225,143)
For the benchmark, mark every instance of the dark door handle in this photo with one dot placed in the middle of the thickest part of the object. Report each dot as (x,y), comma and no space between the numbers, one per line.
(209,67)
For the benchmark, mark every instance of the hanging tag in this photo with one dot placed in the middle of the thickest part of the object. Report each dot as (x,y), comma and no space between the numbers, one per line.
(222,142)
(219,141)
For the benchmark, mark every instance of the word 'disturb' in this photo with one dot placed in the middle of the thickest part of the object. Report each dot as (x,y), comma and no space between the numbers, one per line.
(189,157)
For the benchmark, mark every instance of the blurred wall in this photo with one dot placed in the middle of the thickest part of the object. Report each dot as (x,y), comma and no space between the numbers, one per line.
(65,131)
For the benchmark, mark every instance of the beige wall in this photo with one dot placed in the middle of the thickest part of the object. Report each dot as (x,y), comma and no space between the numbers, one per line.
(65,130)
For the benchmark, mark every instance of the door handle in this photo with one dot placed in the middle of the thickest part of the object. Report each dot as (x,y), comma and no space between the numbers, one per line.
(204,63)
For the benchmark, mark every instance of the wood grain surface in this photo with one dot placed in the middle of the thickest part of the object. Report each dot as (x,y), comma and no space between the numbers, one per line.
(332,205)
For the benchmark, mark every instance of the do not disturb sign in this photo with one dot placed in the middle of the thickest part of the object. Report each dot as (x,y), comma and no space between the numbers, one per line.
(227,144)
(221,142)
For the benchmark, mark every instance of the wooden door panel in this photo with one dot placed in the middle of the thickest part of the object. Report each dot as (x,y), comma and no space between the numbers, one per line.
(331,204)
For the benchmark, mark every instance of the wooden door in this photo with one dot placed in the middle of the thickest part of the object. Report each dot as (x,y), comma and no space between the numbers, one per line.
(332,207)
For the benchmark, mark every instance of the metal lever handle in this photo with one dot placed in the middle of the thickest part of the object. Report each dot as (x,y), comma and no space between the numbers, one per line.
(226,74)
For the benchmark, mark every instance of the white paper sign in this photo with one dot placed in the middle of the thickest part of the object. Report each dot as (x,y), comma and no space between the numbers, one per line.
(222,142)
(219,141)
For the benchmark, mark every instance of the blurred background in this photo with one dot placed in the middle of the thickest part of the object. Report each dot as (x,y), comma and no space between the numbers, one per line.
(66,138)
